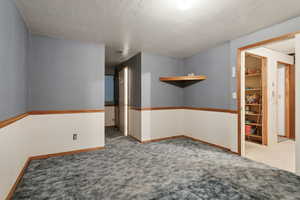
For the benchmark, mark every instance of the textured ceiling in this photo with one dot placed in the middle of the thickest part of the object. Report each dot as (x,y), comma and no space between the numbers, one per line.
(154,25)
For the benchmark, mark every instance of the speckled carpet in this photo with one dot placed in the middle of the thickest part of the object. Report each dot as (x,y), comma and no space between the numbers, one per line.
(171,169)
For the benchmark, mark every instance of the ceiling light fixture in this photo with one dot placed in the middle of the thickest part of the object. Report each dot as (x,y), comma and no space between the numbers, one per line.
(183,4)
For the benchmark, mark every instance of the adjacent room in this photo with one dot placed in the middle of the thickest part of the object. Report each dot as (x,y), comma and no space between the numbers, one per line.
(269,84)
(138,100)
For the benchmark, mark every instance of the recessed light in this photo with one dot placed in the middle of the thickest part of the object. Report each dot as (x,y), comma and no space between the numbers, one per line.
(183,4)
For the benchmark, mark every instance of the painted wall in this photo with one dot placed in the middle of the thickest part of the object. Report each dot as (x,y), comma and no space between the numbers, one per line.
(110,115)
(162,123)
(134,80)
(215,91)
(45,134)
(134,93)
(135,123)
(13,46)
(201,125)
(154,92)
(272,58)
(65,74)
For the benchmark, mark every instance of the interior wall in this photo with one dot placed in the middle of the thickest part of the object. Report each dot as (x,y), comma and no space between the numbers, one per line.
(272,58)
(45,134)
(61,75)
(212,127)
(134,94)
(281,90)
(134,80)
(215,91)
(154,92)
(164,123)
(13,47)
(65,74)
(167,121)
(110,115)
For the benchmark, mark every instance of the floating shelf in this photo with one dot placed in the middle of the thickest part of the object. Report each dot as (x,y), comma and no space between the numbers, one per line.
(253,89)
(182,81)
(254,124)
(255,136)
(253,114)
(253,75)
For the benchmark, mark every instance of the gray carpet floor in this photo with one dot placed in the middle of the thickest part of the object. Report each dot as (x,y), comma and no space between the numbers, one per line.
(171,169)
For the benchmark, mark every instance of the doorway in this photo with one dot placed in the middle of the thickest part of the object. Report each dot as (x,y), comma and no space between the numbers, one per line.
(280,100)
(285,101)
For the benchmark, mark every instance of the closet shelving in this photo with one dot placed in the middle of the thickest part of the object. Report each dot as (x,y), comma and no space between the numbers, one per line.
(254,99)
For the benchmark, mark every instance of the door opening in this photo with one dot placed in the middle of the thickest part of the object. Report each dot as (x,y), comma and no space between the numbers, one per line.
(285,101)
(278,82)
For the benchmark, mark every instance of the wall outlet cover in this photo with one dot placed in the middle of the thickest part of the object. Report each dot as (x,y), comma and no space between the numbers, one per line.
(234,96)
(75,136)
(233,72)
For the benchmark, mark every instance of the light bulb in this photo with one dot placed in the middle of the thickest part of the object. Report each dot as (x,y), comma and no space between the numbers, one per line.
(183,4)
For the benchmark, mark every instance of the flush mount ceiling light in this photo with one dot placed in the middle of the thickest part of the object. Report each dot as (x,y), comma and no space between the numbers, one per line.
(183,4)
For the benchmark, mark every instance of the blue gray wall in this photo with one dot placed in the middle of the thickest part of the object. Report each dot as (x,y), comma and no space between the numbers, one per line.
(134,73)
(13,44)
(65,74)
(215,91)
(154,92)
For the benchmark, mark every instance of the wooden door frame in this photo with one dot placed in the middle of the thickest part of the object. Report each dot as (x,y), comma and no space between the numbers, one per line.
(289,99)
(238,71)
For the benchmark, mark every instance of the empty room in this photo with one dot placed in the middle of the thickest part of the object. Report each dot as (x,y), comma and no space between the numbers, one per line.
(140,100)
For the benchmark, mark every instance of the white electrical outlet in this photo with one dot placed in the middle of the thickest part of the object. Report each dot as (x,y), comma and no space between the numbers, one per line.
(234,96)
(233,73)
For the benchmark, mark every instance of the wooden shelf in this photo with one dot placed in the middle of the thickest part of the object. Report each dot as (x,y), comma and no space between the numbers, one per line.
(253,124)
(253,75)
(253,114)
(182,81)
(183,78)
(255,89)
(255,136)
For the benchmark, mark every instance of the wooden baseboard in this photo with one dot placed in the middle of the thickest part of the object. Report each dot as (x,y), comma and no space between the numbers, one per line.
(210,144)
(135,138)
(18,180)
(188,137)
(213,145)
(161,139)
(21,174)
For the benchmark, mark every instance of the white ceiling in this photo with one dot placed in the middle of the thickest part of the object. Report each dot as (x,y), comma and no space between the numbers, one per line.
(154,25)
(285,46)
